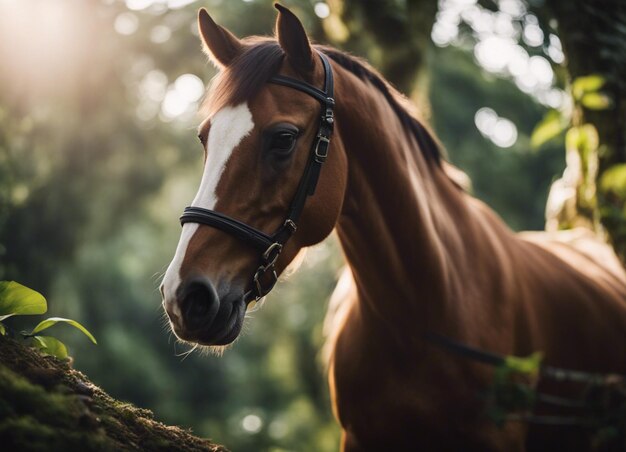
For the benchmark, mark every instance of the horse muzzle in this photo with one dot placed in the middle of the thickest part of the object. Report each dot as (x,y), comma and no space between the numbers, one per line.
(198,314)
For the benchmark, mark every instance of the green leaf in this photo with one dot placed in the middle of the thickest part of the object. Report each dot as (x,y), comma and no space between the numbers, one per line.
(596,101)
(587,84)
(16,299)
(613,180)
(548,128)
(50,346)
(584,138)
(3,330)
(528,365)
(45,324)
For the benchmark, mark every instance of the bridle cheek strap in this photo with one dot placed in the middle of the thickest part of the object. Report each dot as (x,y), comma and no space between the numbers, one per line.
(270,246)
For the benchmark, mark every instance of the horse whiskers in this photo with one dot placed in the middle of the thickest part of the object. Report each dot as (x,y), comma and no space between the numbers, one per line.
(257,306)
(166,327)
(213,350)
(159,275)
(203,350)
(165,321)
(187,353)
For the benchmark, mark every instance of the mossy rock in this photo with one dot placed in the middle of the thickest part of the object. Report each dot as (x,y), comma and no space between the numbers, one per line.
(45,405)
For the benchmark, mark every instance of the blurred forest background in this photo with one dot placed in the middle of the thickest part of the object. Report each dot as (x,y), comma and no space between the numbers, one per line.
(98,157)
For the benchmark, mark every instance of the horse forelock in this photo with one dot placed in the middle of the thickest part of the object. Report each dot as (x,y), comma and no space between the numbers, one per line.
(245,76)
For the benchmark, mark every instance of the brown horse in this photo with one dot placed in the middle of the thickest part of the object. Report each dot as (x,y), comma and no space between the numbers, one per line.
(423,255)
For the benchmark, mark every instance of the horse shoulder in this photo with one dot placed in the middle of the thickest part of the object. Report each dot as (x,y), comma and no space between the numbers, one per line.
(386,399)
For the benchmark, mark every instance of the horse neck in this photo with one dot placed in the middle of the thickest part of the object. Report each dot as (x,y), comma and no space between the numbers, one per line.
(402,215)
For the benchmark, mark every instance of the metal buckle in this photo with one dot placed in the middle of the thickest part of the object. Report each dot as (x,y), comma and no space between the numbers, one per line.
(271,254)
(291,225)
(261,271)
(321,157)
(329,116)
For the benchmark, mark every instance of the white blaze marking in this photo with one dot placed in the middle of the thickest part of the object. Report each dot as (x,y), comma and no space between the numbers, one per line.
(229,126)
(171,280)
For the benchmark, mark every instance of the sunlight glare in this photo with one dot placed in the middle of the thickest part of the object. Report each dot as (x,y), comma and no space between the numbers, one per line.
(485,119)
(176,4)
(533,35)
(501,131)
(555,50)
(322,10)
(278,429)
(503,25)
(160,34)
(497,48)
(138,5)
(518,61)
(153,86)
(443,33)
(555,98)
(504,133)
(541,69)
(514,8)
(252,423)
(190,87)
(43,44)
(182,97)
(174,105)
(493,53)
(126,23)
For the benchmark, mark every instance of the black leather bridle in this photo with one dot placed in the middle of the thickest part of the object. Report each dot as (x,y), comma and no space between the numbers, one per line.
(270,246)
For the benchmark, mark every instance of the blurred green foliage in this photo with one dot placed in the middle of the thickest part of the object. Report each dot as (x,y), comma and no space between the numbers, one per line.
(93,177)
(593,36)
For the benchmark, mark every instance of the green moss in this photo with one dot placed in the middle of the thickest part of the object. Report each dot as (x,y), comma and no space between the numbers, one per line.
(45,405)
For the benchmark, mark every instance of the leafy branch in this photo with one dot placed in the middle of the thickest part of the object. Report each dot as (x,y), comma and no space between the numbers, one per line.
(581,191)
(16,299)
(586,93)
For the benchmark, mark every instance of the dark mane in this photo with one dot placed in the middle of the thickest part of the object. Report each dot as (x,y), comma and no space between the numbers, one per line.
(398,102)
(249,72)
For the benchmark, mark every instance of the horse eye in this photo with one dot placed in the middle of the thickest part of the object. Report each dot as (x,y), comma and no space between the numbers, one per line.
(201,138)
(283,142)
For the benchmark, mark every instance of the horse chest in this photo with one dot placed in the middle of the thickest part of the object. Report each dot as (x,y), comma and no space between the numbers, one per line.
(386,401)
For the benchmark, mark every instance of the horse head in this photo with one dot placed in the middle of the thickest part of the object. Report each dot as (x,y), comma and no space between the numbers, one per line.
(261,139)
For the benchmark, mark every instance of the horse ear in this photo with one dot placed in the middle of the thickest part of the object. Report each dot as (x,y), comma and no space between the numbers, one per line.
(219,44)
(293,40)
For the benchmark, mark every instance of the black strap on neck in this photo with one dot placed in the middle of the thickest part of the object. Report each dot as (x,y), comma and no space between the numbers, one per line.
(271,246)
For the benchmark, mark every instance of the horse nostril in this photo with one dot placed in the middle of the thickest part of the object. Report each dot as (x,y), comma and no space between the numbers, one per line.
(199,305)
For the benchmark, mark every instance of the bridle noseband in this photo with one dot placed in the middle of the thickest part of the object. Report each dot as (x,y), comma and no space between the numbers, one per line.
(270,246)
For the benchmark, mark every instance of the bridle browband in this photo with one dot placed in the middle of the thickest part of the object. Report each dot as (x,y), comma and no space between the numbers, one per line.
(270,246)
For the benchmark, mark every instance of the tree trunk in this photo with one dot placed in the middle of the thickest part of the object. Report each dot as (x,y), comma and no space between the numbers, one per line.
(395,37)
